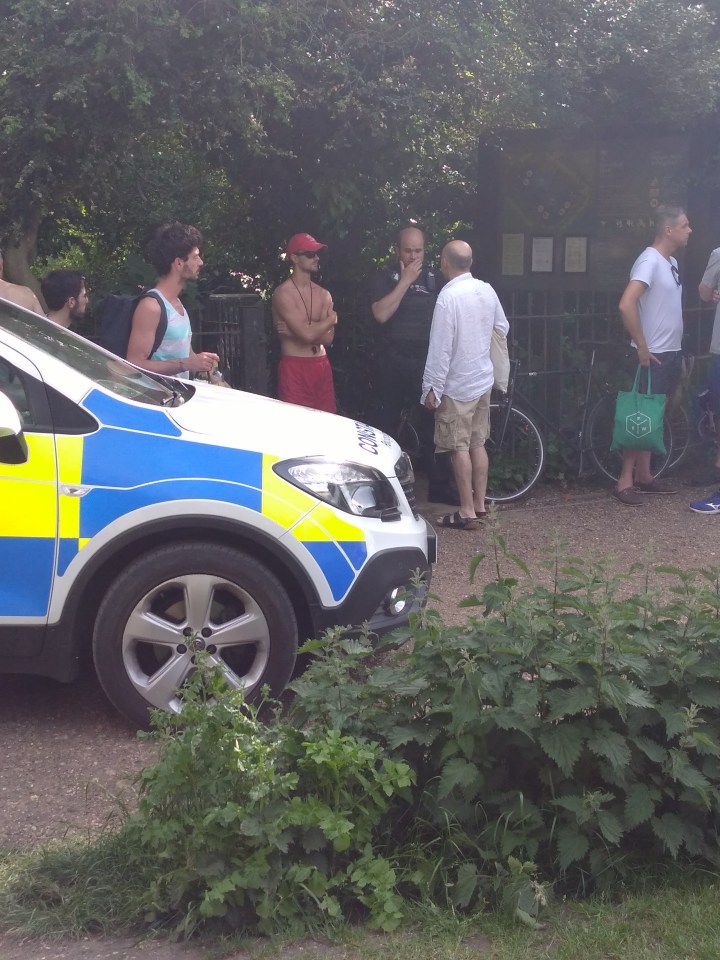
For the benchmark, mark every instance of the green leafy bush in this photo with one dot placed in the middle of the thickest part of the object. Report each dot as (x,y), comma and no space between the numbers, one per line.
(568,725)
(261,824)
(565,734)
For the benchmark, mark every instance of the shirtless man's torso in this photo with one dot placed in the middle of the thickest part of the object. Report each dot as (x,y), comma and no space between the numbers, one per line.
(305,320)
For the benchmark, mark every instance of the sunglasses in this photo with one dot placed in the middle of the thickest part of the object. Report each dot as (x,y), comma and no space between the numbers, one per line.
(676,274)
(308,254)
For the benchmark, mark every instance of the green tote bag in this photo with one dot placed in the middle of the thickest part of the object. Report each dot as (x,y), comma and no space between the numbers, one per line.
(639,418)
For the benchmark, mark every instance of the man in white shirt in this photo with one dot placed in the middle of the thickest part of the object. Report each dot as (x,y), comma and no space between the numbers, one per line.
(651,311)
(709,290)
(458,378)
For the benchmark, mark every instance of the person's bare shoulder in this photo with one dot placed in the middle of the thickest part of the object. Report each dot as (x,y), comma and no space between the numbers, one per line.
(32,301)
(22,296)
(147,311)
(322,293)
(281,291)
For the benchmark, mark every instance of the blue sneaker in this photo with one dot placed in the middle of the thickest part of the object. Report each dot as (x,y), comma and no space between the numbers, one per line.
(711,505)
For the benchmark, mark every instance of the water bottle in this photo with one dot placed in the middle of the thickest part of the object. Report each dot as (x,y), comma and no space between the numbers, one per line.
(213,376)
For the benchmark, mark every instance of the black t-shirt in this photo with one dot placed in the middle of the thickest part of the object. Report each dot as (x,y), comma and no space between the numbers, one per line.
(411,321)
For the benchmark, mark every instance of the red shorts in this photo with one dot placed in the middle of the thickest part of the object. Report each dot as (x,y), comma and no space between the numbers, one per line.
(307,381)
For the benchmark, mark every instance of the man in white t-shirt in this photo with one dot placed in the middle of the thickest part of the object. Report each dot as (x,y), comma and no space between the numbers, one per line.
(709,291)
(651,311)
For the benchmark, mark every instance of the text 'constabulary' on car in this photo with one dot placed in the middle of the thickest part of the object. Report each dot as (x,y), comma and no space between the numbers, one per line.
(154,517)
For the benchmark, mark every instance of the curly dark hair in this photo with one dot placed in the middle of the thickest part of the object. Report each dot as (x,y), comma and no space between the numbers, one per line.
(170,241)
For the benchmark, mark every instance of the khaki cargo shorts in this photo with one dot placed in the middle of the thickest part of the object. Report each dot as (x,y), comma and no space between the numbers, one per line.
(462,424)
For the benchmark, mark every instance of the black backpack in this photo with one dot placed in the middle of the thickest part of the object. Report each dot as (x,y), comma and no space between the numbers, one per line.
(115,315)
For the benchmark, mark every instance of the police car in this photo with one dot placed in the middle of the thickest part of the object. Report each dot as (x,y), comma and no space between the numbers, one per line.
(152,518)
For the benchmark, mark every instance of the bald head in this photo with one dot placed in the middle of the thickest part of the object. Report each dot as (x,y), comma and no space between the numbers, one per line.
(410,245)
(456,258)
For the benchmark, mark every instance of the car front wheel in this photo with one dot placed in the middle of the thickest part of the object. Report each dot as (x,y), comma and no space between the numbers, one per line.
(178,600)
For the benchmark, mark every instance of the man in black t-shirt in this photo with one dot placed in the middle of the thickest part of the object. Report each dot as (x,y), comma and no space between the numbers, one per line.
(402,301)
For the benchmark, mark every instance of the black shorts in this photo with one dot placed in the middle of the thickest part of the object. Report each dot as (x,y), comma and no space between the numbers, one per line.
(664,376)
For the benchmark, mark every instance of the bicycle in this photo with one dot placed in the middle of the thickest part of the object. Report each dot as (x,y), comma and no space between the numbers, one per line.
(406,432)
(516,446)
(689,424)
(692,418)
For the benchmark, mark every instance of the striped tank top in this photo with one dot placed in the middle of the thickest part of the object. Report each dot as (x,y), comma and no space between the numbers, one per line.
(176,343)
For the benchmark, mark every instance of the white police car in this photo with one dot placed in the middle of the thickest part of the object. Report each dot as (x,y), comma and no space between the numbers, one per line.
(153,517)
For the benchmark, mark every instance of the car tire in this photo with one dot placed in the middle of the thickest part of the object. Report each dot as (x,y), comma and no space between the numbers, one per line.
(176,600)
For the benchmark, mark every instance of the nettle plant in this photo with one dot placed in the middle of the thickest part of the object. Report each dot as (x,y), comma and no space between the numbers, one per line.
(567,726)
(565,734)
(258,824)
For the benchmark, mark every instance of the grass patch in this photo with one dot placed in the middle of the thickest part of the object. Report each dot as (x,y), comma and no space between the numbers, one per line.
(675,917)
(69,890)
(76,890)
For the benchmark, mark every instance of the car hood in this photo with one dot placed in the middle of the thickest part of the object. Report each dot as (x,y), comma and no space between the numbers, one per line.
(249,421)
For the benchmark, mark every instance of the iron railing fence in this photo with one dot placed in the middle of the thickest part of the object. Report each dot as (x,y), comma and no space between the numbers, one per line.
(555,345)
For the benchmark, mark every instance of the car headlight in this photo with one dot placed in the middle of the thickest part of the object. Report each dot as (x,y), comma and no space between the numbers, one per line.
(404,470)
(351,487)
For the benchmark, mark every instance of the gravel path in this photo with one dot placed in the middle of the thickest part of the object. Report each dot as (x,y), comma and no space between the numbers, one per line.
(592,524)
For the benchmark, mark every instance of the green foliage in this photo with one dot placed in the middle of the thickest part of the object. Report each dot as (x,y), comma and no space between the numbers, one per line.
(257,119)
(567,735)
(262,825)
(572,726)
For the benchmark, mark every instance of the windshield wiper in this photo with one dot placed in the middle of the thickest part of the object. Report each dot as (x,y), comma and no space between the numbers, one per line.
(174,400)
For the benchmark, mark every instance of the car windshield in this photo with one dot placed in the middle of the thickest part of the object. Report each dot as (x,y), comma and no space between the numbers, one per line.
(112,373)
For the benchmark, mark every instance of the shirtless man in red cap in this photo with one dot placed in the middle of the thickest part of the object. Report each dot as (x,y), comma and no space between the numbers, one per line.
(305,320)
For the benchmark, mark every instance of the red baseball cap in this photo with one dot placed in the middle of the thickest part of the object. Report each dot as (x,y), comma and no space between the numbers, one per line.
(304,242)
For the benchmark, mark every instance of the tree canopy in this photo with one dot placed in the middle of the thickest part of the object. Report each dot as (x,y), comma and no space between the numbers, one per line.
(257,118)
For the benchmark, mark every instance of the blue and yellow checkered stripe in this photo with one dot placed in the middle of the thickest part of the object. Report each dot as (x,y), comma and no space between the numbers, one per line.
(28,527)
(338,546)
(126,469)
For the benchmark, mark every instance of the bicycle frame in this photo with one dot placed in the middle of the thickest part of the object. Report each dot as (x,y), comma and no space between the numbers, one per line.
(524,403)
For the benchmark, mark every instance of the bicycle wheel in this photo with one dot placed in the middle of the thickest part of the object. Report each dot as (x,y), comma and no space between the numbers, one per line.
(599,432)
(680,433)
(516,458)
(407,437)
(706,428)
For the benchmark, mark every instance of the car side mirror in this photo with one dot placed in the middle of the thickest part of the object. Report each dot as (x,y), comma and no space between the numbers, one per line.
(13,445)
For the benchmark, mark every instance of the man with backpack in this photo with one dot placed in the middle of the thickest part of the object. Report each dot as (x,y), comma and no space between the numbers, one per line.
(160,333)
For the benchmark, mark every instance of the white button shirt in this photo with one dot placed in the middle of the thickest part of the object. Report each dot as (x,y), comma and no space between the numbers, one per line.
(458,362)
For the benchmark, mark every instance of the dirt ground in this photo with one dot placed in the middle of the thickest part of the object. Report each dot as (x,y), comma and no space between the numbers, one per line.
(67,756)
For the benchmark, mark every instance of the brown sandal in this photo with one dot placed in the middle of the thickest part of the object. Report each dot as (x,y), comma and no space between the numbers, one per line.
(455,522)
